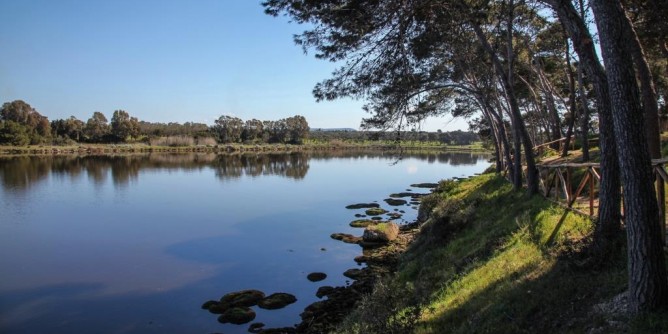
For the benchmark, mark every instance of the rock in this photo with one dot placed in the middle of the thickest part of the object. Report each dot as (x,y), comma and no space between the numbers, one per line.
(395,202)
(218,308)
(382,232)
(404,194)
(362,223)
(276,301)
(316,277)
(237,316)
(244,298)
(324,291)
(347,238)
(359,215)
(256,327)
(357,274)
(377,218)
(394,215)
(282,330)
(207,304)
(361,259)
(425,185)
(363,206)
(375,212)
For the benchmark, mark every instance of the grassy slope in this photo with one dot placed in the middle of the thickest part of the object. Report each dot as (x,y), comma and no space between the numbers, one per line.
(493,260)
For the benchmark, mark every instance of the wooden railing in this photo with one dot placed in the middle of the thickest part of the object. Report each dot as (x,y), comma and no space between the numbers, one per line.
(556,182)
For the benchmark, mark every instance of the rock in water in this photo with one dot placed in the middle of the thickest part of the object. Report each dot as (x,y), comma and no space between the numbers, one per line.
(324,291)
(425,185)
(362,223)
(382,232)
(375,211)
(237,316)
(276,301)
(347,238)
(244,298)
(316,277)
(209,303)
(395,201)
(363,206)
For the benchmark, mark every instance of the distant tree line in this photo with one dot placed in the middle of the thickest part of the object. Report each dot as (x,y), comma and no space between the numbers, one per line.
(21,124)
(228,129)
(457,137)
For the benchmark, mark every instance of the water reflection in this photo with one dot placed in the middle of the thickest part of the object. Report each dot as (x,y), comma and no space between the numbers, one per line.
(21,172)
(83,255)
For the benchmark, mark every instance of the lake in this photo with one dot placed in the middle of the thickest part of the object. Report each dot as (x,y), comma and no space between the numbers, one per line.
(136,243)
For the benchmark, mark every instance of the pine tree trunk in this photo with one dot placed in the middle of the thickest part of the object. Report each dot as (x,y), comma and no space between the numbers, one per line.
(520,133)
(609,210)
(649,102)
(584,119)
(648,285)
(572,101)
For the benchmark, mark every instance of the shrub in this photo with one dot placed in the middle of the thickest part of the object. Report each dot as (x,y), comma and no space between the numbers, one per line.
(173,141)
(207,141)
(391,308)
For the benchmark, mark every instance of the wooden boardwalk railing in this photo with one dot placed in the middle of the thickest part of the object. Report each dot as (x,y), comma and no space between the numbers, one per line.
(556,183)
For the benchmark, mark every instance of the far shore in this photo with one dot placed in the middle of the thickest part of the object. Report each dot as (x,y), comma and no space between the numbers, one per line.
(229,148)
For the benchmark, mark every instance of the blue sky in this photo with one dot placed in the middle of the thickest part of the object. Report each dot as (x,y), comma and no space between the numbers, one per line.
(165,61)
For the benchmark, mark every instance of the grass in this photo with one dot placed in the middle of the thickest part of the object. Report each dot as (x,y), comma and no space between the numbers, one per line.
(490,259)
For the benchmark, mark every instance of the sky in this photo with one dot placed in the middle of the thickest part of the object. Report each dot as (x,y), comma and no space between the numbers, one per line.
(166,61)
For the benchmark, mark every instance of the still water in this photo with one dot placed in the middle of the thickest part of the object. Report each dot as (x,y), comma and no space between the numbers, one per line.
(136,243)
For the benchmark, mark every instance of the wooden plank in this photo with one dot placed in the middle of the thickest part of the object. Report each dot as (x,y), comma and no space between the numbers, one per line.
(570,164)
(661,172)
(583,183)
(564,186)
(591,192)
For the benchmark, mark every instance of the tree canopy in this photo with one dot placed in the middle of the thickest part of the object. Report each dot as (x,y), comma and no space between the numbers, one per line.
(529,71)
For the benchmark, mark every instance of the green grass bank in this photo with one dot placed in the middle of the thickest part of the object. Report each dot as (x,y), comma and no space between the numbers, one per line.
(489,259)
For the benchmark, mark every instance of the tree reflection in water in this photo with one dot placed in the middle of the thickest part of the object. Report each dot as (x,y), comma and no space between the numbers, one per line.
(22,172)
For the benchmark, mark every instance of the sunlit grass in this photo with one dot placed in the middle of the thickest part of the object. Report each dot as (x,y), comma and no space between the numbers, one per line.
(511,267)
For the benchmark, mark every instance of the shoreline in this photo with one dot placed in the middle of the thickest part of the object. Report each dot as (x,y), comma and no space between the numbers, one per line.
(98,149)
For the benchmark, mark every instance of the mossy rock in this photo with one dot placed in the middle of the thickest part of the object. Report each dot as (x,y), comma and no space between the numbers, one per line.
(357,274)
(394,215)
(244,298)
(281,330)
(375,211)
(237,316)
(256,327)
(400,195)
(276,301)
(425,185)
(209,303)
(324,291)
(361,259)
(377,219)
(363,206)
(362,222)
(347,238)
(316,277)
(218,308)
(383,232)
(395,201)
